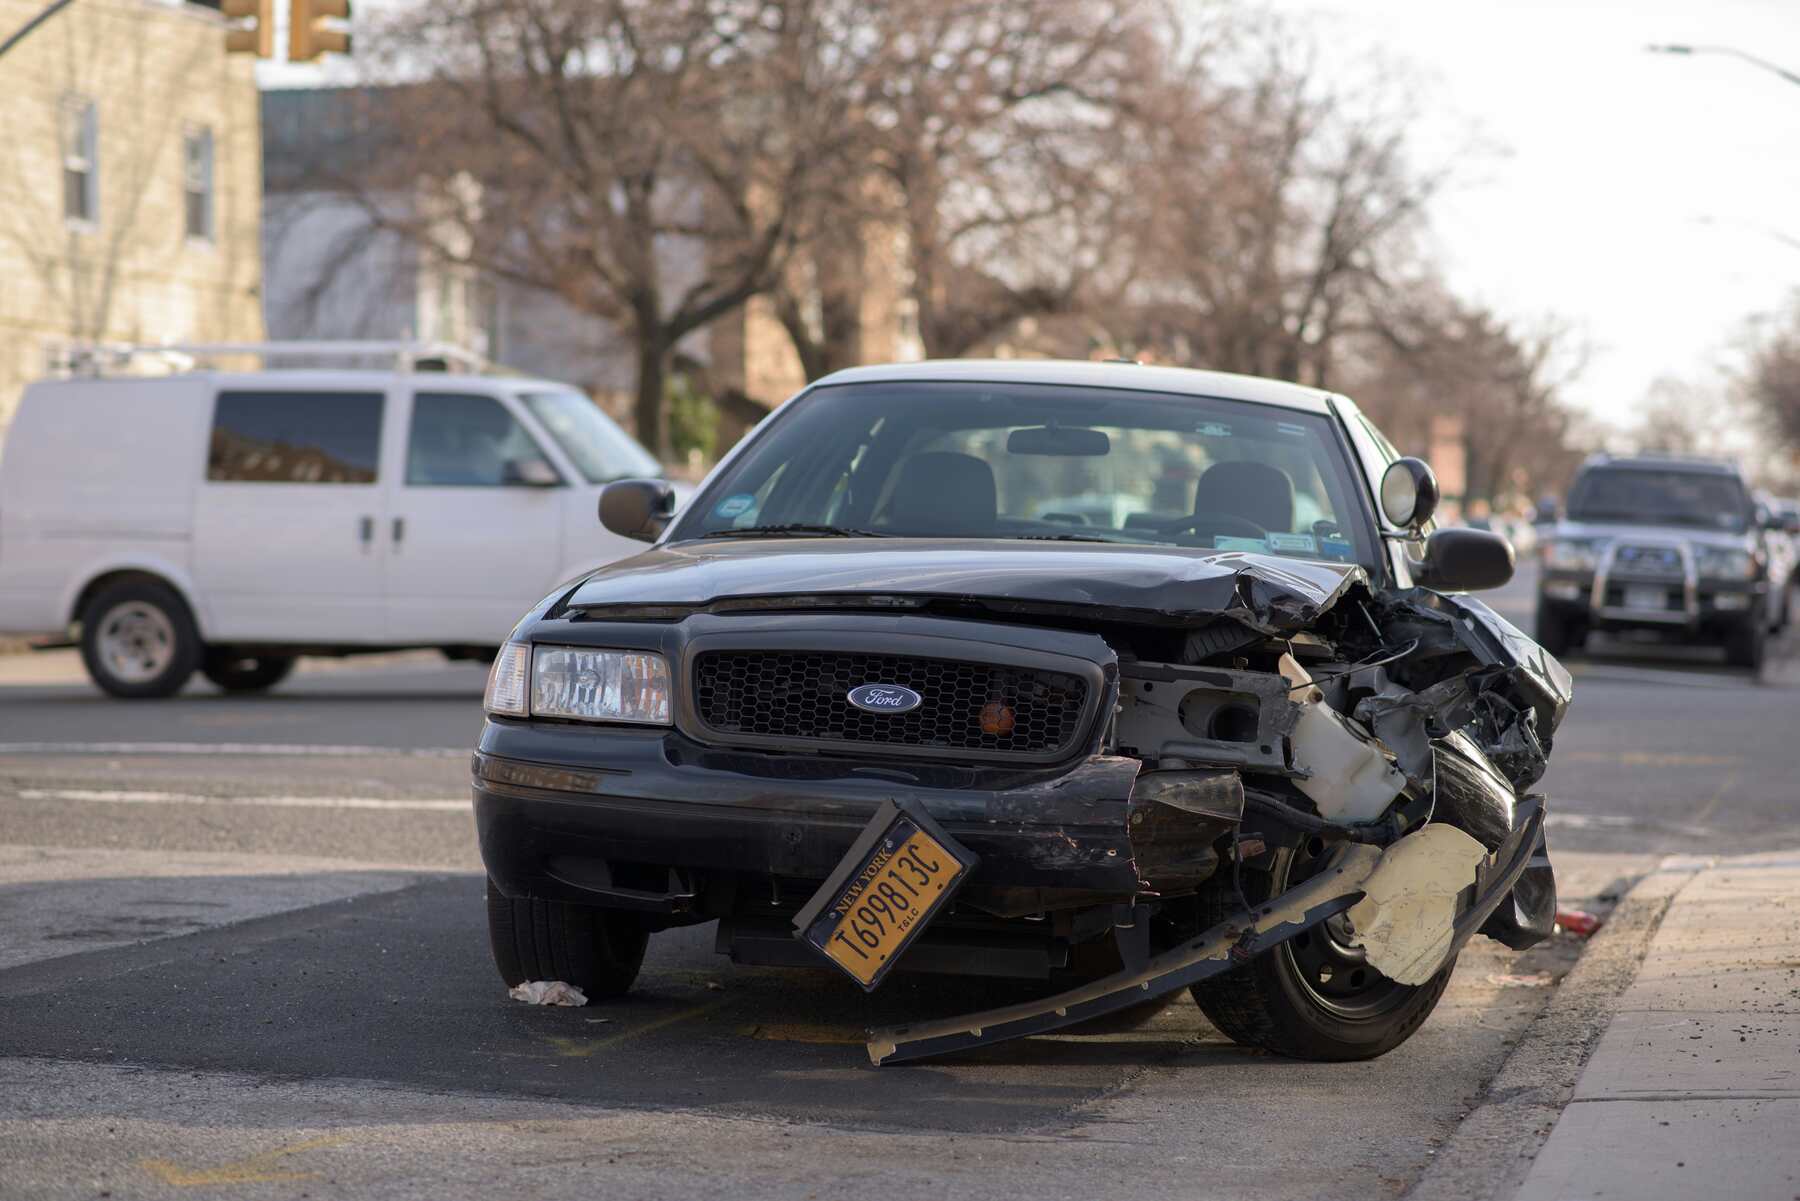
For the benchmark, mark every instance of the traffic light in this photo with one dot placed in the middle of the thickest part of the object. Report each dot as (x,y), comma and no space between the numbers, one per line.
(312,29)
(253,27)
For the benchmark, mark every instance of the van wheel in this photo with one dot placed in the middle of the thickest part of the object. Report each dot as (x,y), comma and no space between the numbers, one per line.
(1314,996)
(597,950)
(1747,645)
(138,639)
(244,673)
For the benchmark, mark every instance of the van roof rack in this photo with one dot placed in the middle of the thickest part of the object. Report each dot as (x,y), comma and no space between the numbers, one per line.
(96,358)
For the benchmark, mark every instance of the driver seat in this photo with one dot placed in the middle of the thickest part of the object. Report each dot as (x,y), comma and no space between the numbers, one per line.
(1254,491)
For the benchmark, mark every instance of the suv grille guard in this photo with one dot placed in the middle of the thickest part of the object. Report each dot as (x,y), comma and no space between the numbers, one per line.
(1689,582)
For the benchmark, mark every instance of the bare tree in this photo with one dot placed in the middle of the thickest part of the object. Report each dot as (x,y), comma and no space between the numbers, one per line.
(647,161)
(1771,382)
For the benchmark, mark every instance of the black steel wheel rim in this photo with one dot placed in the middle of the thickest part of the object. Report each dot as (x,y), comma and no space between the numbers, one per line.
(1333,975)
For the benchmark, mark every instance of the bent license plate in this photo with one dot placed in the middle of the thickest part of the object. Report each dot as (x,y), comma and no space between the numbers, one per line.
(899,874)
(1646,598)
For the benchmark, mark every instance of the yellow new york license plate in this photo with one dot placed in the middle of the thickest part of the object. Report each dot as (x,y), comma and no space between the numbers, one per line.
(886,898)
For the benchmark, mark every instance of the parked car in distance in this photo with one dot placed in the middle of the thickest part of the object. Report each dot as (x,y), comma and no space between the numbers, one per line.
(228,522)
(874,701)
(1782,517)
(1673,546)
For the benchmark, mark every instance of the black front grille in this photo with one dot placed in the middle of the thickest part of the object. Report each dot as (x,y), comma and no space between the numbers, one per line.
(1658,561)
(781,695)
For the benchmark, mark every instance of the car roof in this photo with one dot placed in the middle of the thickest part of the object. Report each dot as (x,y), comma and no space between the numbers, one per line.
(1662,462)
(1180,381)
(280,378)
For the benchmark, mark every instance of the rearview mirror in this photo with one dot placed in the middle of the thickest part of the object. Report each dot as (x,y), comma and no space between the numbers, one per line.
(1409,493)
(1462,560)
(1058,440)
(637,509)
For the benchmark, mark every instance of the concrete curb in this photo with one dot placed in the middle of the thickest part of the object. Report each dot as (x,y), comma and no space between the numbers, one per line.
(1495,1146)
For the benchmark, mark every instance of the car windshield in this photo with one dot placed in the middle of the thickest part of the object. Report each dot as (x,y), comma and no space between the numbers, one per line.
(600,449)
(1657,497)
(1029,461)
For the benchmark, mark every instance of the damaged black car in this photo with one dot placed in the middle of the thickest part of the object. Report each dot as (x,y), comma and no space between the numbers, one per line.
(1127,679)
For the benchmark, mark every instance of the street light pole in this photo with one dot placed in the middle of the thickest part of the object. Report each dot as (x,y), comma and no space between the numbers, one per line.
(1765,64)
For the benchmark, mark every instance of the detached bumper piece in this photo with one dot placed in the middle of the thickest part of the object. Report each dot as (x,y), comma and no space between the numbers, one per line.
(1225,946)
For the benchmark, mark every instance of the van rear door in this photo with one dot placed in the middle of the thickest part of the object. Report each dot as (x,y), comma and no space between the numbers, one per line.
(475,533)
(287,520)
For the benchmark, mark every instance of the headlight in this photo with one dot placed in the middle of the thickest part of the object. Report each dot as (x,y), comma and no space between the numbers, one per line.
(506,681)
(589,685)
(1724,563)
(1569,554)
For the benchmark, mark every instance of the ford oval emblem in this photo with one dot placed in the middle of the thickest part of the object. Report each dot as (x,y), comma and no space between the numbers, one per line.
(884,698)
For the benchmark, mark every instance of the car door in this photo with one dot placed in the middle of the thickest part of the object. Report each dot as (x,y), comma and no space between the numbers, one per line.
(286,519)
(474,532)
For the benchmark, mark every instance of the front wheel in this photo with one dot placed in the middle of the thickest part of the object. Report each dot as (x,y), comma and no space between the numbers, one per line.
(1314,996)
(138,639)
(1748,644)
(1556,633)
(245,673)
(597,950)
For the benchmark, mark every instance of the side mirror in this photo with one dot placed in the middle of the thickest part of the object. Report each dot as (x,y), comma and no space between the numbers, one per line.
(529,473)
(1462,560)
(1409,493)
(637,509)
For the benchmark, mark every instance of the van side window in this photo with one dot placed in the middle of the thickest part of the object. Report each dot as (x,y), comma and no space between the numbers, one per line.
(296,437)
(460,440)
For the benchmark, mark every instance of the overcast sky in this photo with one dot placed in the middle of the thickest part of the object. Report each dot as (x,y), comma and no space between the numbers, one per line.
(1641,196)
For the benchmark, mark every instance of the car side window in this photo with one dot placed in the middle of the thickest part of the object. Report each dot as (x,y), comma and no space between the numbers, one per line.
(295,437)
(462,440)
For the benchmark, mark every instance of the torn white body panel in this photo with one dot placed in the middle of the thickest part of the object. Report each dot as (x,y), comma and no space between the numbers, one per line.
(1406,920)
(1350,777)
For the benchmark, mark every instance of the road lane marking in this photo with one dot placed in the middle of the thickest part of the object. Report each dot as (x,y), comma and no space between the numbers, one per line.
(581,1048)
(255,1169)
(107,796)
(1711,806)
(228,748)
(1649,758)
(802,1032)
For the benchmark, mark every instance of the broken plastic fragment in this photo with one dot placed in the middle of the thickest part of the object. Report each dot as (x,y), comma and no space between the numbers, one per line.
(1406,920)
(547,992)
(1578,922)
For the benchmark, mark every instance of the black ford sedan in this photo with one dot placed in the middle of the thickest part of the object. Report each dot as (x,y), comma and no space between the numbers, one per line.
(1123,678)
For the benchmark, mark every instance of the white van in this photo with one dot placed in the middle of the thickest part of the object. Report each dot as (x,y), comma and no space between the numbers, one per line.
(229,522)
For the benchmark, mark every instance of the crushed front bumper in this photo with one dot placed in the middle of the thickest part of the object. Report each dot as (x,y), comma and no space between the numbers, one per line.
(646,822)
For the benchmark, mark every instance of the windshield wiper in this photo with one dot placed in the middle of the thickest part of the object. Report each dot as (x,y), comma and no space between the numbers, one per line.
(795,527)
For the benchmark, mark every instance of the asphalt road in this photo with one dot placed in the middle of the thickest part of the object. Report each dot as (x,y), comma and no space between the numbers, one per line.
(242,950)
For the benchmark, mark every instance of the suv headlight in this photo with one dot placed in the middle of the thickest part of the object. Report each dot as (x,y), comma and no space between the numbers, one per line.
(1724,563)
(583,685)
(1570,554)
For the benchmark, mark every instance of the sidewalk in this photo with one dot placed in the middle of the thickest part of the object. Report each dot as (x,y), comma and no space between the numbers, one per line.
(1694,1089)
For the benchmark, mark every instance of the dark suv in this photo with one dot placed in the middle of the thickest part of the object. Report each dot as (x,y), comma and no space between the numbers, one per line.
(1675,546)
(1123,678)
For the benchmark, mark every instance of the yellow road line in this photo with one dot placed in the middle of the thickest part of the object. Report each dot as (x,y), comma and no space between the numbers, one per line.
(581,1048)
(256,1169)
(1648,758)
(803,1032)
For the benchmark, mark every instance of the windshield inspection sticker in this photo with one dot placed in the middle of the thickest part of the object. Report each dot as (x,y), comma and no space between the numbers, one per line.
(1213,429)
(1303,544)
(1227,542)
(734,506)
(1288,427)
(1336,548)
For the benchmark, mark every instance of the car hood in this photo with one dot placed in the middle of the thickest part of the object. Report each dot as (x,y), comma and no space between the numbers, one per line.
(1149,583)
(1650,533)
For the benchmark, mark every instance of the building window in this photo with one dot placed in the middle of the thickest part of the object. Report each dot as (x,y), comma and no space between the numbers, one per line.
(197,182)
(81,161)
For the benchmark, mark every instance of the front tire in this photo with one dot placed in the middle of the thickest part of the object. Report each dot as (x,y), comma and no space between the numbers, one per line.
(1314,996)
(1748,644)
(597,950)
(138,639)
(1557,633)
(244,673)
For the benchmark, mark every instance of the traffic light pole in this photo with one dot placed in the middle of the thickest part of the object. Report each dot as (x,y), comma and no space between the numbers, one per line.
(26,29)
